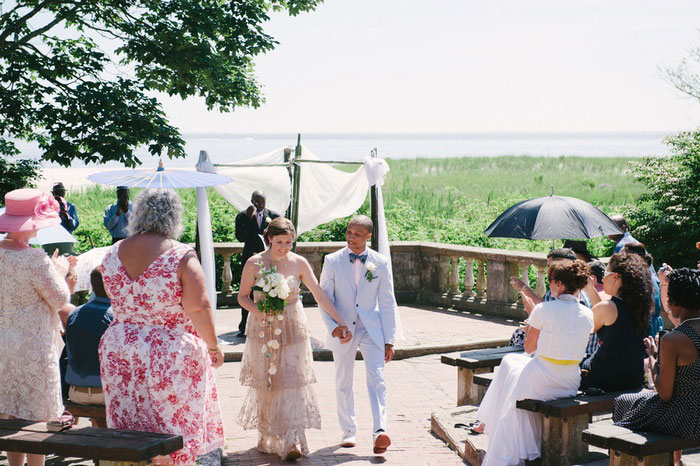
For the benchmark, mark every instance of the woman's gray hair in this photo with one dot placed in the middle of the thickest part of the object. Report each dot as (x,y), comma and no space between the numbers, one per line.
(157,211)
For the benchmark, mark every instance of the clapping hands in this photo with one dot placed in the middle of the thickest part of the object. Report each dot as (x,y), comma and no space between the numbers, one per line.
(650,345)
(342,333)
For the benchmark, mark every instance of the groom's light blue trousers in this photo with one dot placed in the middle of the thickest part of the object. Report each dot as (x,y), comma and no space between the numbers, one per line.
(376,387)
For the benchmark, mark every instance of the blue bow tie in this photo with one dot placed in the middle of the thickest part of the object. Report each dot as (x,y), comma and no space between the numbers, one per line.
(353,257)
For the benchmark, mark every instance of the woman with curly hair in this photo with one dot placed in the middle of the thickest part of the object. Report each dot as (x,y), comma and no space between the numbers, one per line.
(621,324)
(674,408)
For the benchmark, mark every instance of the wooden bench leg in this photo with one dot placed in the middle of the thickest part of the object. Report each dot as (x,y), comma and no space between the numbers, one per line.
(561,440)
(623,459)
(468,393)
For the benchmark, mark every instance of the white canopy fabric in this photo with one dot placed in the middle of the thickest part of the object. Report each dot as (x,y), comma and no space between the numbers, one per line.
(273,181)
(325,193)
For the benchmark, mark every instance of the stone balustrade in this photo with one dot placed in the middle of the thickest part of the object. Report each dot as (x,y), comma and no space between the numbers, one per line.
(431,273)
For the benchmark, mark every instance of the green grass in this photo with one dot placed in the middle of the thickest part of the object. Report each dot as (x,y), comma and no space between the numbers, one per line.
(449,200)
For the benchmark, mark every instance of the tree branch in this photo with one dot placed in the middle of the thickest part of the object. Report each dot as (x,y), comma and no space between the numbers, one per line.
(41,30)
(21,21)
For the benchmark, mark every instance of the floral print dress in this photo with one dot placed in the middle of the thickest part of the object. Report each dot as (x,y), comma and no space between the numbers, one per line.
(156,371)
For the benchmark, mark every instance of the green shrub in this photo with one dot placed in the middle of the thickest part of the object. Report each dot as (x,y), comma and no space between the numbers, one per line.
(666,217)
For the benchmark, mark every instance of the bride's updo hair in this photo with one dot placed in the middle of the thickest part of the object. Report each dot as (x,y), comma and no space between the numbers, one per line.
(279,226)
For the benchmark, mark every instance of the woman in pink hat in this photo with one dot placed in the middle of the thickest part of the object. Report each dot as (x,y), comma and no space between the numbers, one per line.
(30,297)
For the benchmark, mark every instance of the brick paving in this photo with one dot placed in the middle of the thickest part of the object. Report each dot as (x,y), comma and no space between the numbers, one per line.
(416,388)
(423,326)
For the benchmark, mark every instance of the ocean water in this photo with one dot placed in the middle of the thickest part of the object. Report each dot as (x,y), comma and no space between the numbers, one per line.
(230,148)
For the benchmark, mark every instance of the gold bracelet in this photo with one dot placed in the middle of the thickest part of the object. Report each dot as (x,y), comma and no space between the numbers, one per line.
(215,349)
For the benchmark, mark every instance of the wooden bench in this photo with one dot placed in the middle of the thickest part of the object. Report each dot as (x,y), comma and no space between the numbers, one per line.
(108,446)
(627,447)
(470,363)
(564,421)
(91,411)
(484,380)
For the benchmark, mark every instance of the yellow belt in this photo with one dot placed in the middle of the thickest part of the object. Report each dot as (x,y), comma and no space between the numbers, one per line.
(561,362)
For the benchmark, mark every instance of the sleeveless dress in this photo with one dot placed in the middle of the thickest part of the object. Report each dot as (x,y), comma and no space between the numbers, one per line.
(156,371)
(282,405)
(618,364)
(32,290)
(679,416)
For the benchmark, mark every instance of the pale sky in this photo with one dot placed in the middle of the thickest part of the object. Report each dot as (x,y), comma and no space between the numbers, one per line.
(468,66)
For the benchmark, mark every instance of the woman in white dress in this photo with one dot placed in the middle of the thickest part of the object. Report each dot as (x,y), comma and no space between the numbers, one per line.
(557,333)
(33,288)
(281,402)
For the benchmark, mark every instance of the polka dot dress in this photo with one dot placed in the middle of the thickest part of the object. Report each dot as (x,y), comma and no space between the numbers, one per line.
(680,416)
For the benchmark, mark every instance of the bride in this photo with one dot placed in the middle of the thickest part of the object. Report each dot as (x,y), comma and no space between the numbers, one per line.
(277,358)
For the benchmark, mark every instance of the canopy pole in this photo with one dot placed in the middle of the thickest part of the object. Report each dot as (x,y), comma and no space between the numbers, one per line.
(295,186)
(374,210)
(290,170)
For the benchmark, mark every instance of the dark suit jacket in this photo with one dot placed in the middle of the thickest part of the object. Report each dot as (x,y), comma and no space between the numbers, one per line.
(249,234)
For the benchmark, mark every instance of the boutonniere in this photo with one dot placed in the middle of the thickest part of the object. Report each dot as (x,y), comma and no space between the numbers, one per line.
(371,267)
(268,220)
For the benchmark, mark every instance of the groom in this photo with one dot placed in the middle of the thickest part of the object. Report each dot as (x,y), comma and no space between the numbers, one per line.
(359,283)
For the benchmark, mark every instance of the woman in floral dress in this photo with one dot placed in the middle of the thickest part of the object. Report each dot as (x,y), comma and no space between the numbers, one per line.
(157,356)
(277,360)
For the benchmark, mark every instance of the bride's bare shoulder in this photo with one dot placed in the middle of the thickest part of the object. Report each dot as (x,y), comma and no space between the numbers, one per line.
(297,258)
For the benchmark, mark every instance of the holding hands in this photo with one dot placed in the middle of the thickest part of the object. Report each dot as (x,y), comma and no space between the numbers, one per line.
(342,333)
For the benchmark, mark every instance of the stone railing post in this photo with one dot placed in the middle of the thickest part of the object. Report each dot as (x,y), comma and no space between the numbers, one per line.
(444,272)
(498,280)
(524,276)
(480,280)
(315,261)
(227,275)
(469,277)
(454,275)
(540,288)
(512,273)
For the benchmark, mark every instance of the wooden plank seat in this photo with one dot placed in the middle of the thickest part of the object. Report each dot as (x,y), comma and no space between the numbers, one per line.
(91,411)
(470,363)
(564,421)
(484,380)
(627,447)
(109,446)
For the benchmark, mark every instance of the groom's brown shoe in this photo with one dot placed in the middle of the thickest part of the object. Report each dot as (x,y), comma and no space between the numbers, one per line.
(381,442)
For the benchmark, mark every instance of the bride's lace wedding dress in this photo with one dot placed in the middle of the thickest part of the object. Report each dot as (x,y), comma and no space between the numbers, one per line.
(282,405)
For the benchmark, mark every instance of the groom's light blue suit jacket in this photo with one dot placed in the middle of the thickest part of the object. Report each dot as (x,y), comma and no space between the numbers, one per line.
(372,300)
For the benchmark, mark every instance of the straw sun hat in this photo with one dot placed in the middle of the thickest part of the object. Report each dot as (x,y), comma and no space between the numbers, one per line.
(28,210)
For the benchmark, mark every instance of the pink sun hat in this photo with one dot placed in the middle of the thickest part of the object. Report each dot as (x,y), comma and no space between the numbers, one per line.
(28,210)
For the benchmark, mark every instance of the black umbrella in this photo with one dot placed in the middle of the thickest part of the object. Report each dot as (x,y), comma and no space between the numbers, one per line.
(553,217)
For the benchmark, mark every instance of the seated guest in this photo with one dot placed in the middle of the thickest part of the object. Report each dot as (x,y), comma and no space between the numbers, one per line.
(625,237)
(84,329)
(674,408)
(621,324)
(557,333)
(598,272)
(580,248)
(656,323)
(530,299)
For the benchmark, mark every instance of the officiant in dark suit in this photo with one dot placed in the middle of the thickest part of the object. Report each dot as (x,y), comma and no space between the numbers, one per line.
(250,225)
